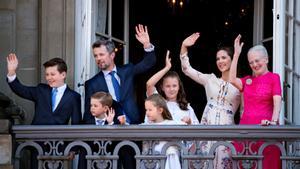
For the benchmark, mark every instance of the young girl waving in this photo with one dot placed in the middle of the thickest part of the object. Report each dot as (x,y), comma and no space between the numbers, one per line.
(171,88)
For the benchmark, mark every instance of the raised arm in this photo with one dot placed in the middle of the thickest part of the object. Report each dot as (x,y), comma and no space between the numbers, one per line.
(185,64)
(12,64)
(233,68)
(142,36)
(16,86)
(188,42)
(150,85)
(149,56)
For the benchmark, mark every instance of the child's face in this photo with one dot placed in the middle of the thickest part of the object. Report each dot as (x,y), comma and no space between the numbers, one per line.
(53,77)
(97,109)
(153,113)
(170,87)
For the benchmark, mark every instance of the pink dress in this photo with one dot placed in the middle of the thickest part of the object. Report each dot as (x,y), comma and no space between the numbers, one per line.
(258,105)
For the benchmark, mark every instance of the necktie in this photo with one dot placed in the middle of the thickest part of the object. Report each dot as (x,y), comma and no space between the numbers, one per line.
(100,122)
(54,93)
(115,85)
(117,90)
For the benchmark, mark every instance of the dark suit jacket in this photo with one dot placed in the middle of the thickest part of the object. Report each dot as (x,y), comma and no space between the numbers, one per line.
(127,102)
(69,105)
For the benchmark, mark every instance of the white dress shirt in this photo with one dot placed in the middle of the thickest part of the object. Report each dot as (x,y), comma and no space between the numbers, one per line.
(59,94)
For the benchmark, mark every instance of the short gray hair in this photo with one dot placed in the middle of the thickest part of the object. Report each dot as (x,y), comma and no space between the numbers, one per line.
(259,48)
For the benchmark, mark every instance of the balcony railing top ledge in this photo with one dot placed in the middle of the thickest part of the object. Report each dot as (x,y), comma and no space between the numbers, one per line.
(153,132)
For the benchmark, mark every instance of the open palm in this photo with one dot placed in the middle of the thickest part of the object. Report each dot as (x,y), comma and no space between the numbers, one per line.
(12,63)
(142,34)
(190,41)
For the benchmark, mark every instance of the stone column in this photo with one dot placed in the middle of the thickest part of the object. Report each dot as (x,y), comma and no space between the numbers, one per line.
(57,38)
(5,145)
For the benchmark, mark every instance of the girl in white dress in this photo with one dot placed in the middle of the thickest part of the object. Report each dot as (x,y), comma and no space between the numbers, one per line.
(171,88)
(158,114)
(223,99)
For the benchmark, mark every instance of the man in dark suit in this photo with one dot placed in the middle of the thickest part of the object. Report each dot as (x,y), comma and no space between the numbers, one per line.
(104,54)
(50,109)
(119,82)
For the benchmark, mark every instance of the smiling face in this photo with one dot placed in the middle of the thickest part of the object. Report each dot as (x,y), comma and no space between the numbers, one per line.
(170,87)
(223,61)
(258,62)
(153,113)
(53,77)
(103,58)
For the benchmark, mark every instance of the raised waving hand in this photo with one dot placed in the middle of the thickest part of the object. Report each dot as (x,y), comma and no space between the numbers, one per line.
(189,41)
(12,64)
(142,35)
(233,79)
(150,85)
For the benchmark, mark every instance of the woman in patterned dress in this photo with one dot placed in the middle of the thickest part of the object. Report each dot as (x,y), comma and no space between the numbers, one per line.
(223,99)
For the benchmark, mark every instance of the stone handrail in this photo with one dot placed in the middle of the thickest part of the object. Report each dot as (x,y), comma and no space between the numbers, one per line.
(88,136)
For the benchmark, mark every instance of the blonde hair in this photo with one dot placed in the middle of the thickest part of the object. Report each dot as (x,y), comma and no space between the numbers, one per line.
(104,98)
(159,102)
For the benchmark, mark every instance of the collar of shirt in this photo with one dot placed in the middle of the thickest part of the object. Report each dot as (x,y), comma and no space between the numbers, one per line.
(60,92)
(104,119)
(106,72)
(61,89)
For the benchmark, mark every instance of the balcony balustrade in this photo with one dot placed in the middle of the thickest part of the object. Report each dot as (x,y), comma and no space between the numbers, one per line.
(56,145)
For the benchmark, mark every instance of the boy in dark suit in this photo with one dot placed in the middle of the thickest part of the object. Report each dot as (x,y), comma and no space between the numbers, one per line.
(102,111)
(55,102)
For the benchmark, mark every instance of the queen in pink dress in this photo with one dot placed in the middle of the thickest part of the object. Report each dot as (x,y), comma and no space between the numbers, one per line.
(262,99)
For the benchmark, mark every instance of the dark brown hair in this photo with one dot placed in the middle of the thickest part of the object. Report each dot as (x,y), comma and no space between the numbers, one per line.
(181,96)
(159,102)
(110,45)
(227,49)
(59,62)
(104,98)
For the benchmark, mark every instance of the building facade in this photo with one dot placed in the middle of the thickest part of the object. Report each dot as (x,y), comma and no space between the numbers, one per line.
(38,30)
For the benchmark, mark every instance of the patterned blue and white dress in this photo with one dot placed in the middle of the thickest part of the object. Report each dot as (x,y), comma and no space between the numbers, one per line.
(223,100)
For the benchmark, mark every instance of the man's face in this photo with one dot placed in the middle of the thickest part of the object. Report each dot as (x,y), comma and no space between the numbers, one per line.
(103,58)
(54,77)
